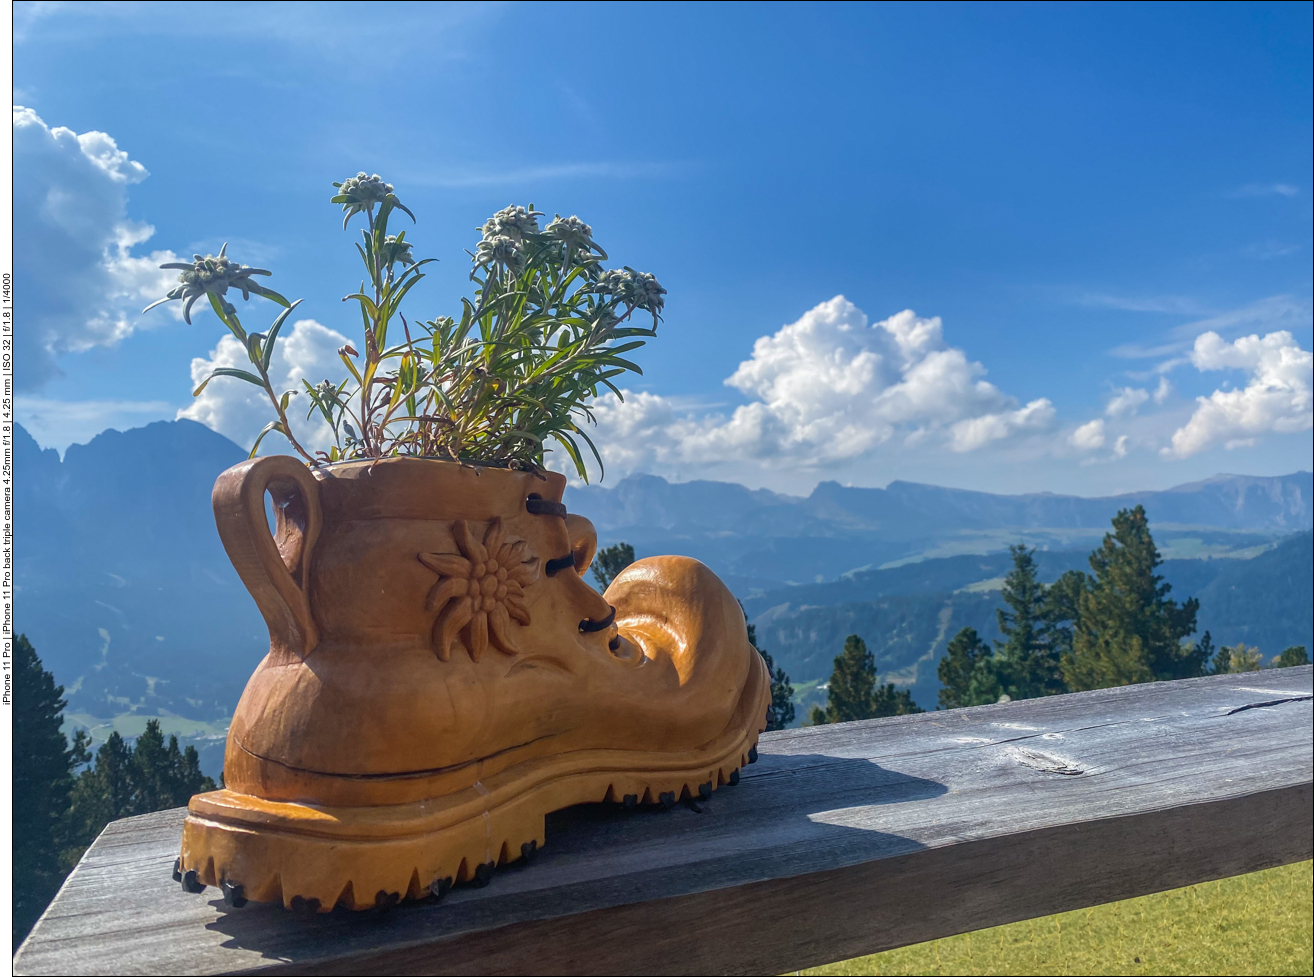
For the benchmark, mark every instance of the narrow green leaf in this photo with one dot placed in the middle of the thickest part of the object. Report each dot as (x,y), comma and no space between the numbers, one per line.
(271,426)
(228,371)
(273,333)
(269,293)
(351,366)
(392,199)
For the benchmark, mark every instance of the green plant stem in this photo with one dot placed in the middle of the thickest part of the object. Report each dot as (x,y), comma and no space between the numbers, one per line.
(371,351)
(230,320)
(282,418)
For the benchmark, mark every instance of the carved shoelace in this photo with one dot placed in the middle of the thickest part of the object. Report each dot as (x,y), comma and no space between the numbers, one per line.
(536,505)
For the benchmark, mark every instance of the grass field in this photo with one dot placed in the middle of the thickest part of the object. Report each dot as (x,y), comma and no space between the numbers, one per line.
(1251,924)
(131,724)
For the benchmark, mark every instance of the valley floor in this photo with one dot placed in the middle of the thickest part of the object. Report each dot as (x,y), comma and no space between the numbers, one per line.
(208,738)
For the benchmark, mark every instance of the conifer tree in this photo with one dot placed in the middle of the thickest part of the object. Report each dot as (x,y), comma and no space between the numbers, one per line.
(101,794)
(781,711)
(42,777)
(55,815)
(854,693)
(164,776)
(1222,664)
(1027,660)
(1062,604)
(1128,630)
(967,672)
(1295,655)
(889,701)
(151,768)
(1237,658)
(127,781)
(852,684)
(610,561)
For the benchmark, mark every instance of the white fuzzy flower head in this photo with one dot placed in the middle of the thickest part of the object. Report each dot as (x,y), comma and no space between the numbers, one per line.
(637,289)
(214,275)
(395,250)
(514,222)
(365,189)
(361,192)
(573,231)
(500,251)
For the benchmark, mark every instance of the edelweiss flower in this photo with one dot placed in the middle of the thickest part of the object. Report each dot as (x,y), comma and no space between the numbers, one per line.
(479,592)
(635,288)
(395,250)
(501,250)
(513,222)
(572,230)
(213,274)
(361,192)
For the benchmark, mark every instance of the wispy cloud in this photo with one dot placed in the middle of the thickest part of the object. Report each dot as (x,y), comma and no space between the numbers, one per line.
(1141,351)
(322,26)
(1173,304)
(1251,190)
(1276,312)
(246,250)
(463,178)
(1269,249)
(1268,314)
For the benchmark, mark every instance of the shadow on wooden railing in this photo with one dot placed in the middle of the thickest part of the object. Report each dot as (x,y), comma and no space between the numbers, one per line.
(842,840)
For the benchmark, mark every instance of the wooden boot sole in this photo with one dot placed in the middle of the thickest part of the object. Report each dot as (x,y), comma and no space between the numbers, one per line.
(314,858)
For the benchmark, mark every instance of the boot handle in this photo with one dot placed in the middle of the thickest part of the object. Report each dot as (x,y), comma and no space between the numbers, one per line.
(275,569)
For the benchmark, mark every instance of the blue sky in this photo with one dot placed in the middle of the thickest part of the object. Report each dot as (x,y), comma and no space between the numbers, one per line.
(1079,193)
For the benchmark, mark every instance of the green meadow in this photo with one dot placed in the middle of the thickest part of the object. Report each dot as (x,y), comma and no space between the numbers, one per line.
(1251,924)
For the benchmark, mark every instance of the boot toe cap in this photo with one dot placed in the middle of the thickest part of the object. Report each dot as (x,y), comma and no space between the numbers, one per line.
(681,610)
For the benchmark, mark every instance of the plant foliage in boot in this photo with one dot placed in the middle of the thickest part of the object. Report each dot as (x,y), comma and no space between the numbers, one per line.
(547,329)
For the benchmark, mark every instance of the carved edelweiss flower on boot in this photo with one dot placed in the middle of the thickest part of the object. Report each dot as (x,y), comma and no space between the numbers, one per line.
(480,592)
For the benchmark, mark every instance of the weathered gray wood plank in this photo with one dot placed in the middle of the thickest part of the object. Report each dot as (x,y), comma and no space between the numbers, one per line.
(842,840)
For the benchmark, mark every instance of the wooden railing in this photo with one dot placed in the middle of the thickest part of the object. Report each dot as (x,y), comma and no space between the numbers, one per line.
(842,840)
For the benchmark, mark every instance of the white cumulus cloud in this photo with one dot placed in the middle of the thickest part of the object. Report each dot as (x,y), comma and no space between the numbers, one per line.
(239,410)
(1276,397)
(1089,436)
(827,388)
(75,271)
(1126,401)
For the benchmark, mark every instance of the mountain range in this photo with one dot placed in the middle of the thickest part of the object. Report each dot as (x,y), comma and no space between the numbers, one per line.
(126,592)
(907,566)
(758,539)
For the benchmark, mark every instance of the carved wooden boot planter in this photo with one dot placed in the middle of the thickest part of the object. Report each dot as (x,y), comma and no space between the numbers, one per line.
(440,677)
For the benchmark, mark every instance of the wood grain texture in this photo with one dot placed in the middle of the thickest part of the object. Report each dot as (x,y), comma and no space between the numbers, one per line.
(842,840)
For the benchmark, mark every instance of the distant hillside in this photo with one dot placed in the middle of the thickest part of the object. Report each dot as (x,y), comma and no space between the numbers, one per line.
(906,509)
(124,588)
(907,614)
(121,581)
(1265,601)
(760,540)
